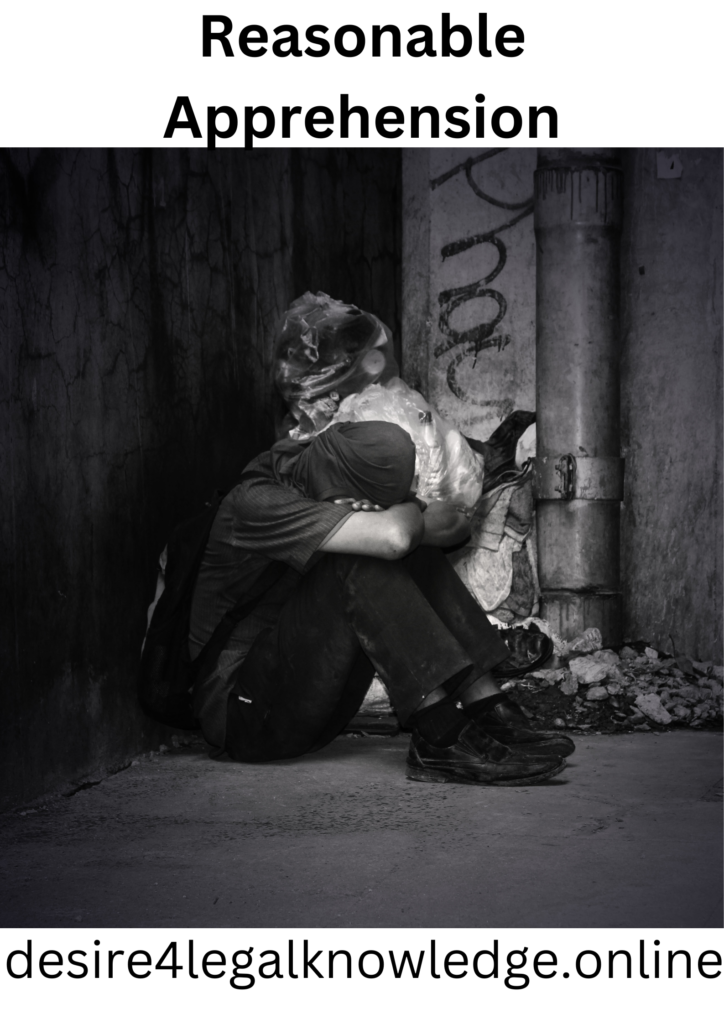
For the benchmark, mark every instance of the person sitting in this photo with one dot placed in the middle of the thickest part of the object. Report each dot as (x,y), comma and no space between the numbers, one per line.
(363,585)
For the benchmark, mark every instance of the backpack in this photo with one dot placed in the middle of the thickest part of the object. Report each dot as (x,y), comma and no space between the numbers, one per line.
(167,673)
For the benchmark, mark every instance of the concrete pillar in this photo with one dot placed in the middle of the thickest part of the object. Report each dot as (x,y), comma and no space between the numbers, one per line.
(579,472)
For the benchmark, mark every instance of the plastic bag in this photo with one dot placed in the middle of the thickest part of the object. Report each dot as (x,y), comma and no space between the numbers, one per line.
(326,350)
(446,468)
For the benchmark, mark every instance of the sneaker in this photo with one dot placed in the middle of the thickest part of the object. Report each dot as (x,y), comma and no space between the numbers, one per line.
(505,722)
(477,759)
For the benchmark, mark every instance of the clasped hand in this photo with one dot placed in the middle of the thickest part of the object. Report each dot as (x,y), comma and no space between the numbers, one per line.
(359,505)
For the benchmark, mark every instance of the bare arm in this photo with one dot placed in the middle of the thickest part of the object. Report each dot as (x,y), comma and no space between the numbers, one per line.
(445,525)
(391,534)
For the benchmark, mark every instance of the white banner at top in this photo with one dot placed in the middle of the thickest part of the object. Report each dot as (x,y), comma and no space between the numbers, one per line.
(193,73)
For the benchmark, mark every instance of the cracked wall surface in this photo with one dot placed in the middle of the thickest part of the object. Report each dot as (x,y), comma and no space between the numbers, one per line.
(139,293)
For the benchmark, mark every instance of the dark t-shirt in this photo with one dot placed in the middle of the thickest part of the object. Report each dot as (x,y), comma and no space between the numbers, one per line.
(259,521)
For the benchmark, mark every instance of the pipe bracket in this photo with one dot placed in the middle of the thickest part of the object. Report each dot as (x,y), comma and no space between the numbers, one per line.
(587,478)
(566,469)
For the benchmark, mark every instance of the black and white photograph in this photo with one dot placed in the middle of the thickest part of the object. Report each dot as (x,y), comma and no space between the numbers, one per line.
(361,537)
(361,510)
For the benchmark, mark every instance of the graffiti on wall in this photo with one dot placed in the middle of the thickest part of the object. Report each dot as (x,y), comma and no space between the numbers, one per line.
(458,346)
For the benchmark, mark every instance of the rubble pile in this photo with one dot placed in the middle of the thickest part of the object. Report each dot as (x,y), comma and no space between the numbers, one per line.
(587,688)
(635,689)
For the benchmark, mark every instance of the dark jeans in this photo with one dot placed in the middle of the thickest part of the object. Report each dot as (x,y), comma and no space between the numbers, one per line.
(412,620)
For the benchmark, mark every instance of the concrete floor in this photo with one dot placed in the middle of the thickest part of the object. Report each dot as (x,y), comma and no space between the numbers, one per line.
(629,836)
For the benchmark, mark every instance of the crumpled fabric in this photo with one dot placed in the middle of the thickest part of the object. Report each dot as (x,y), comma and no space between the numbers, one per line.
(497,564)
(488,575)
(522,597)
(521,510)
(487,531)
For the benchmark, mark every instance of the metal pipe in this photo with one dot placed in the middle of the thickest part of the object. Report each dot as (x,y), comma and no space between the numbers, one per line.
(579,472)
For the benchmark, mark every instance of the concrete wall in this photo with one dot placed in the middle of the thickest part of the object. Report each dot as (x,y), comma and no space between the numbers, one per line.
(671,305)
(476,370)
(139,293)
(469,256)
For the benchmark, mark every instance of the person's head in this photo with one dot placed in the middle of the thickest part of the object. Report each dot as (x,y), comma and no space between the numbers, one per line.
(372,461)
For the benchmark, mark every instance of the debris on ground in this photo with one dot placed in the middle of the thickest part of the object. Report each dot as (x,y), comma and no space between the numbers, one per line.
(636,688)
